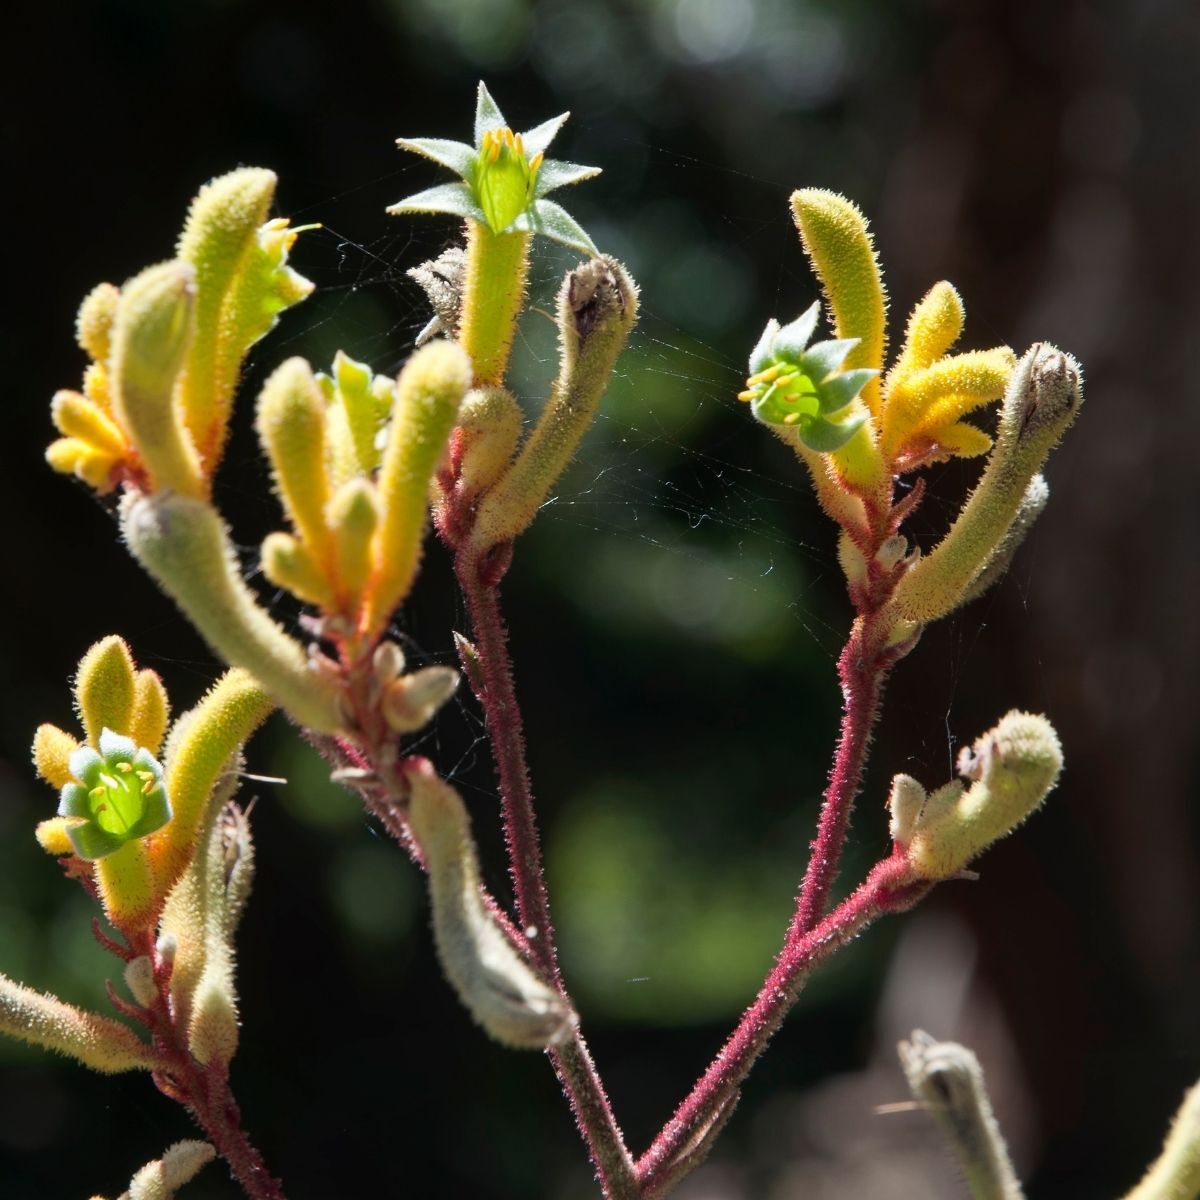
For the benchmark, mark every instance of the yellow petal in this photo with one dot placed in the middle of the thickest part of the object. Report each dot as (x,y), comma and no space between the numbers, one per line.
(52,835)
(52,748)
(78,417)
(289,563)
(428,395)
(104,688)
(151,709)
(933,327)
(939,394)
(93,325)
(96,389)
(964,440)
(291,427)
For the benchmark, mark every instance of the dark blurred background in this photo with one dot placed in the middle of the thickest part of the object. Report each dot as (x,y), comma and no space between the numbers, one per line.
(677,611)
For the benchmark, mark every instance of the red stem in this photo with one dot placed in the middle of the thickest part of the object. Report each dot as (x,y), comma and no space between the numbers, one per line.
(507,736)
(862,681)
(478,578)
(888,888)
(862,670)
(212,1106)
(203,1091)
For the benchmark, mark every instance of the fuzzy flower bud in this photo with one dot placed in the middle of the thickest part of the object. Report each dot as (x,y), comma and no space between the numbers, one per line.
(1012,769)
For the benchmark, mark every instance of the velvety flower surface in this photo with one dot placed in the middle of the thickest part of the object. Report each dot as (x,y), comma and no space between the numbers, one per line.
(503,179)
(117,795)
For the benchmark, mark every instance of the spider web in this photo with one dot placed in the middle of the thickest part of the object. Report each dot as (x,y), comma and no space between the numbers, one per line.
(676,467)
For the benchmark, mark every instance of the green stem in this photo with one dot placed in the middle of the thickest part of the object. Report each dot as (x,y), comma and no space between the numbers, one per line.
(493,292)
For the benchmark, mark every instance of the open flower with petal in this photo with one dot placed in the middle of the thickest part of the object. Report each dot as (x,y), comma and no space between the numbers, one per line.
(117,795)
(928,391)
(167,348)
(906,419)
(803,387)
(504,178)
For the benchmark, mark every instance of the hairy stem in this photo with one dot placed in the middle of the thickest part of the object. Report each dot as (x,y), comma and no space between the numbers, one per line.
(204,1092)
(886,889)
(573,1062)
(216,1112)
(862,670)
(862,679)
(507,736)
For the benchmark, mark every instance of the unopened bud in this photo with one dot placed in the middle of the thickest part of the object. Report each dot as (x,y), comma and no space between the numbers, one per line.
(139,979)
(905,802)
(159,1180)
(1013,767)
(387,664)
(93,325)
(502,991)
(166,947)
(150,340)
(892,551)
(410,702)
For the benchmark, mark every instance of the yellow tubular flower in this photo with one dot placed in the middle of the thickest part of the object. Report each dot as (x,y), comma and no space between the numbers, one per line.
(922,409)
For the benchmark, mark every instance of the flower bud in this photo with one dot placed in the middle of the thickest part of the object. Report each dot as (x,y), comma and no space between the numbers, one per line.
(1012,769)
(139,979)
(150,340)
(93,325)
(1043,397)
(502,991)
(410,702)
(905,802)
(161,1179)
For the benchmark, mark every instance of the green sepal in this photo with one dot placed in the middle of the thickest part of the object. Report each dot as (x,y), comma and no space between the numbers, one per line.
(487,113)
(799,386)
(760,356)
(538,139)
(505,192)
(555,174)
(825,436)
(824,358)
(366,407)
(265,286)
(120,797)
(553,221)
(457,156)
(455,199)
(839,390)
(792,339)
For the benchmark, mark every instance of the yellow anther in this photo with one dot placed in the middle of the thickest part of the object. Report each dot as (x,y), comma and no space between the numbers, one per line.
(145,776)
(770,374)
(519,145)
(791,418)
(96,792)
(535,162)
(509,139)
(125,767)
(747,396)
(493,150)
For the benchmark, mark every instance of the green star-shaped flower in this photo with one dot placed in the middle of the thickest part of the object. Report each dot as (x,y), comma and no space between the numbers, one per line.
(503,179)
(120,796)
(802,386)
